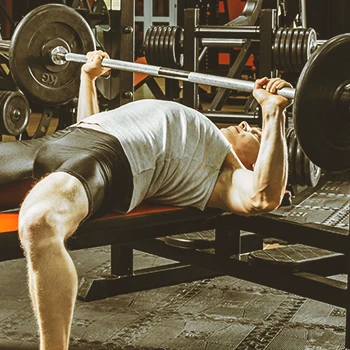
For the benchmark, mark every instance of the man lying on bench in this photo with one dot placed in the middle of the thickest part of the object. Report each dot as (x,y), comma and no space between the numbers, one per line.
(117,158)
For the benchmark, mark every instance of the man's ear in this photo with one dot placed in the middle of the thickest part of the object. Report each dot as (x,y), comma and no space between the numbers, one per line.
(253,166)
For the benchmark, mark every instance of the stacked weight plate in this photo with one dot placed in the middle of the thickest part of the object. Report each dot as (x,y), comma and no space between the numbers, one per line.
(162,46)
(293,47)
(301,170)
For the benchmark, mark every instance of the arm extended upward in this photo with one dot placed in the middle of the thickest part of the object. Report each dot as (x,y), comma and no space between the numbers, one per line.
(88,102)
(248,192)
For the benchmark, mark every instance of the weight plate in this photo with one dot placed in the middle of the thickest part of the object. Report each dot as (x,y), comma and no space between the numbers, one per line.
(309,41)
(15,112)
(294,50)
(161,46)
(156,46)
(299,159)
(151,45)
(166,45)
(288,50)
(34,37)
(321,105)
(300,60)
(289,133)
(291,158)
(282,48)
(178,48)
(171,49)
(311,172)
(276,54)
(146,43)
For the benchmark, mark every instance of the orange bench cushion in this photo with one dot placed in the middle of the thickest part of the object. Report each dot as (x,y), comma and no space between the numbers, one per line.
(9,221)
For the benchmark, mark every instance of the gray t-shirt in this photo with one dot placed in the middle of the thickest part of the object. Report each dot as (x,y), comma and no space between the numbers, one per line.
(175,152)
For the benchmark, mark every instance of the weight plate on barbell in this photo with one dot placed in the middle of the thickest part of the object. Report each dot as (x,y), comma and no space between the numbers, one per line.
(299,160)
(311,172)
(36,34)
(291,158)
(321,105)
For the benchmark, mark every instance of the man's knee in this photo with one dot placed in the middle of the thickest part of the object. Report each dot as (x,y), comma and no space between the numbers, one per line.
(37,228)
(52,211)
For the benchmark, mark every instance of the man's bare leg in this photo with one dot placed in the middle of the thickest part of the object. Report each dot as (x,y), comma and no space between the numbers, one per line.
(51,213)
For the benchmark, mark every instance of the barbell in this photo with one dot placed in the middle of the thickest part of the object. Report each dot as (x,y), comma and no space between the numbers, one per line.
(51,38)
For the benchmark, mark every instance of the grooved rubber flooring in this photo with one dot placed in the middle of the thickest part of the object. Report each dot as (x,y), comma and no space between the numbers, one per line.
(213,314)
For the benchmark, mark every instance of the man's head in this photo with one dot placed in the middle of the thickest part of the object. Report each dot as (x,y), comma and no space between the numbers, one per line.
(245,141)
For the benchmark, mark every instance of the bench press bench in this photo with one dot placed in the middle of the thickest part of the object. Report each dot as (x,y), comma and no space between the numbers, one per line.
(147,221)
(145,227)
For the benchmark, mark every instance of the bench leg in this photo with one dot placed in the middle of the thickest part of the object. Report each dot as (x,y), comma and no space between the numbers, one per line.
(227,239)
(125,280)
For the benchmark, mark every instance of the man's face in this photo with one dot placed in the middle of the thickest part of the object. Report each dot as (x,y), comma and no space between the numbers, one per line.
(245,141)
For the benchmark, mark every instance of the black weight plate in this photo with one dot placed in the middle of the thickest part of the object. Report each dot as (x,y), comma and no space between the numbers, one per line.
(177,47)
(288,133)
(146,43)
(156,46)
(300,60)
(30,65)
(171,49)
(166,46)
(291,158)
(288,50)
(276,54)
(322,125)
(311,172)
(299,160)
(310,39)
(294,50)
(282,47)
(161,45)
(15,113)
(151,45)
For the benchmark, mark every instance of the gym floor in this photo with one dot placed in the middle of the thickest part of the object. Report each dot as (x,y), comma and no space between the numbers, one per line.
(211,314)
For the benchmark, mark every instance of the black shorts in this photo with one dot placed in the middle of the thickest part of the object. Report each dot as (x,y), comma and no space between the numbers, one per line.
(96,159)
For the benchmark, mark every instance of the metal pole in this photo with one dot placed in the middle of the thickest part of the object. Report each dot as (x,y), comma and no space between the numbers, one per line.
(246,32)
(59,57)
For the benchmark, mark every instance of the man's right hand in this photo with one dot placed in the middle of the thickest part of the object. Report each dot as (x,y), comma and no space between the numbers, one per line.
(93,68)
(265,92)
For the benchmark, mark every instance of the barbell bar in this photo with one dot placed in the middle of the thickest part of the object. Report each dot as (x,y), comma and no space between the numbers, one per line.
(60,56)
(321,109)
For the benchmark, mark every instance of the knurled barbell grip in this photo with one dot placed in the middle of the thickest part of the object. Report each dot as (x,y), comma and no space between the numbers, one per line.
(193,77)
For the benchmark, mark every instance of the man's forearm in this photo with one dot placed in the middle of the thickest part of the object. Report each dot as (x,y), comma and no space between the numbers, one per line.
(87,102)
(270,172)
